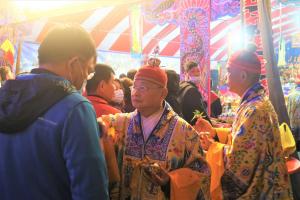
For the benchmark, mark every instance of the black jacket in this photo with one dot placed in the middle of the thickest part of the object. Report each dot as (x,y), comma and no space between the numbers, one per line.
(190,100)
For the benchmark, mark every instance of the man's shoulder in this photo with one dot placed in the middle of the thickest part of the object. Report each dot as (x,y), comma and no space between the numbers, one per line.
(187,88)
(74,99)
(105,109)
(186,85)
(259,109)
(70,103)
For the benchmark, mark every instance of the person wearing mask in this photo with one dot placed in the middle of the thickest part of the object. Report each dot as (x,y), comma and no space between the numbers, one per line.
(118,99)
(159,155)
(189,97)
(248,162)
(49,145)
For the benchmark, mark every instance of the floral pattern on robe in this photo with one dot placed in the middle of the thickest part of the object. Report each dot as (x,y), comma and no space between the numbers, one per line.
(173,144)
(253,159)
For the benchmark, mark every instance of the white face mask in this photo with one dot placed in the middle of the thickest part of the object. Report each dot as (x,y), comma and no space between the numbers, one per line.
(195,79)
(119,96)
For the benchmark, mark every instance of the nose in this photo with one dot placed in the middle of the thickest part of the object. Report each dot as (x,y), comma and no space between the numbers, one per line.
(135,92)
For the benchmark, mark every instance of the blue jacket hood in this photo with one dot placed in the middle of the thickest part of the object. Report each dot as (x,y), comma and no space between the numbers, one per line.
(28,97)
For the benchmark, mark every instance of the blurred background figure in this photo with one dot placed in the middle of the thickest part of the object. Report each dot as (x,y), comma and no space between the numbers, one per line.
(118,99)
(215,105)
(131,73)
(122,75)
(173,89)
(127,83)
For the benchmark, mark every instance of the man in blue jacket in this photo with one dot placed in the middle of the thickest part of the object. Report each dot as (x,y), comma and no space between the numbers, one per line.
(48,132)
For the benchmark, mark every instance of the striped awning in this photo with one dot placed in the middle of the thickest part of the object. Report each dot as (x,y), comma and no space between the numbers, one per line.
(110,28)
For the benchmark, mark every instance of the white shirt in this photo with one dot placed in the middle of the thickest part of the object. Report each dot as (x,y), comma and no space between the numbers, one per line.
(149,123)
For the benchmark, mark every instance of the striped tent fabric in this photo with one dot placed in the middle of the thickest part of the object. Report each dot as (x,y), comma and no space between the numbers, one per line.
(110,28)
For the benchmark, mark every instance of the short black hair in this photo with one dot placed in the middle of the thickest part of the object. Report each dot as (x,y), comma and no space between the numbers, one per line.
(122,75)
(173,81)
(131,73)
(102,73)
(190,65)
(65,41)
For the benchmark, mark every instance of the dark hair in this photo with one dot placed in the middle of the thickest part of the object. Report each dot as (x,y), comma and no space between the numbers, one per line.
(173,81)
(173,89)
(190,65)
(4,70)
(120,82)
(127,83)
(131,73)
(102,73)
(64,42)
(122,75)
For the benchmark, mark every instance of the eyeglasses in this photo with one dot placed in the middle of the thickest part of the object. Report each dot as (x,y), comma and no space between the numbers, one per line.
(143,88)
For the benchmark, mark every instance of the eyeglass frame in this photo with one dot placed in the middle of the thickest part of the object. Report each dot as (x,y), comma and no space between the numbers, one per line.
(146,88)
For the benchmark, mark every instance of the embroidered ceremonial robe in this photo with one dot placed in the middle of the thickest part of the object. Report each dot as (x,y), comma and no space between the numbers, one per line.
(293,108)
(173,144)
(253,161)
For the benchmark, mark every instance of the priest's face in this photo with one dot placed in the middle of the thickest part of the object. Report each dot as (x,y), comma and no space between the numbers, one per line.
(147,95)
(233,79)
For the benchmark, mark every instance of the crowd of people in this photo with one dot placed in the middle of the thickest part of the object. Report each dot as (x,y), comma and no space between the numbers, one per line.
(70,129)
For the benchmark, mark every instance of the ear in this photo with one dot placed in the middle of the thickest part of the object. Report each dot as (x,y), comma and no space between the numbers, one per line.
(100,87)
(101,84)
(164,93)
(72,61)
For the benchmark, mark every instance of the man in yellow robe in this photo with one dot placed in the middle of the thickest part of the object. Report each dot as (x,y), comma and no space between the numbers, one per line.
(250,163)
(158,153)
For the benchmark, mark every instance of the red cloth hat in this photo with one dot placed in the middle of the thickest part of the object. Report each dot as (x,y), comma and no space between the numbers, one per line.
(153,74)
(246,60)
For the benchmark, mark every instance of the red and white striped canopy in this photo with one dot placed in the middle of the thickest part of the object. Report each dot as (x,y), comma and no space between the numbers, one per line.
(110,28)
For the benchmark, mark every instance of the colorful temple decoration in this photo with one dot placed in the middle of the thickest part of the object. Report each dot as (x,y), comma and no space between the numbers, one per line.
(136,30)
(8,52)
(7,49)
(195,37)
(252,32)
(221,8)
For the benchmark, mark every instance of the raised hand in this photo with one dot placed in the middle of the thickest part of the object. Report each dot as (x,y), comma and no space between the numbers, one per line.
(203,125)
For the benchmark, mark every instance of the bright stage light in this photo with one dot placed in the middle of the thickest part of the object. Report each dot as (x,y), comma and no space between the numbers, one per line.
(235,40)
